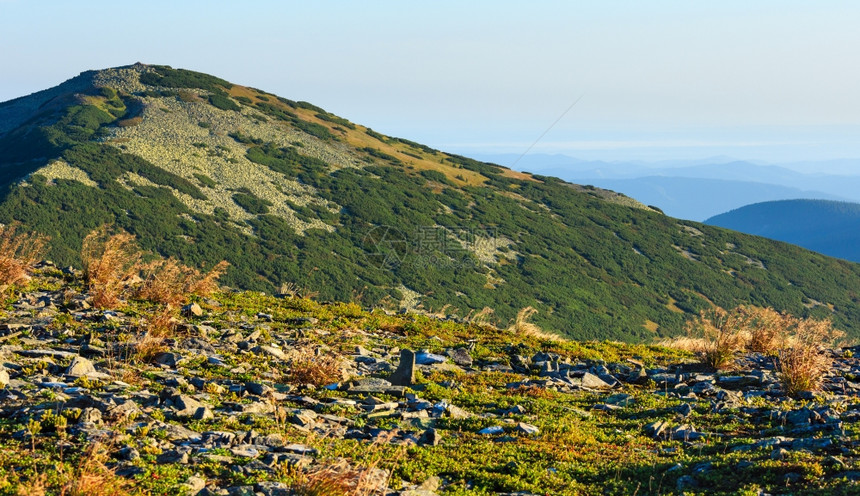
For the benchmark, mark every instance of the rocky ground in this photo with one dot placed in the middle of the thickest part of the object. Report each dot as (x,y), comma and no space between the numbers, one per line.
(259,395)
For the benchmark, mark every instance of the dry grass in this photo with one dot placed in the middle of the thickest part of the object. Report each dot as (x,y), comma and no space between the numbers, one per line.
(93,478)
(717,335)
(312,367)
(110,262)
(720,335)
(154,330)
(340,478)
(18,252)
(522,327)
(170,283)
(766,329)
(803,363)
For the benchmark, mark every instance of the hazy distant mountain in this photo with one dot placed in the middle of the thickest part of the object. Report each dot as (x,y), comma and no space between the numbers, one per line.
(828,227)
(202,170)
(699,199)
(701,188)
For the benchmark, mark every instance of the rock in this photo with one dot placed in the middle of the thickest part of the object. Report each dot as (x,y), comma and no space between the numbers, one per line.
(686,482)
(405,373)
(656,429)
(194,484)
(424,357)
(168,358)
(4,377)
(684,410)
(592,381)
(187,406)
(192,310)
(801,416)
(527,429)
(271,351)
(430,437)
(376,386)
(461,357)
(492,430)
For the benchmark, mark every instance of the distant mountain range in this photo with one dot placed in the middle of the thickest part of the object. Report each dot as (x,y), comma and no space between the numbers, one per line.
(701,189)
(828,227)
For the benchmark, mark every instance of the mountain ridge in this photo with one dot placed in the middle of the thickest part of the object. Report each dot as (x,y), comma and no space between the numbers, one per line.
(202,169)
(827,227)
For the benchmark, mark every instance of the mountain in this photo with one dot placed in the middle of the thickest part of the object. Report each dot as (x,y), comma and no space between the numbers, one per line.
(701,189)
(828,227)
(291,195)
(699,198)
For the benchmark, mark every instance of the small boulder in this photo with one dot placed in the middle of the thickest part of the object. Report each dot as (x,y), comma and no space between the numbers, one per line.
(80,367)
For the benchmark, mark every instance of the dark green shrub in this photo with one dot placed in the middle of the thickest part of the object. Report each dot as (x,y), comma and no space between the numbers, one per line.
(251,203)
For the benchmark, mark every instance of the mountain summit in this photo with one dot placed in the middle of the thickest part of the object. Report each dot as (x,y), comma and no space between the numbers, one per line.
(299,199)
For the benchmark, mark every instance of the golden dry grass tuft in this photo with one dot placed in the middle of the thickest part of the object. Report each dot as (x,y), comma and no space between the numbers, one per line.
(340,478)
(522,327)
(153,332)
(719,334)
(803,363)
(18,252)
(93,478)
(168,282)
(110,262)
(799,344)
(319,369)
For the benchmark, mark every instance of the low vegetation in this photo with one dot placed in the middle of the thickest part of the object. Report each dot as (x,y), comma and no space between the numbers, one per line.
(799,346)
(18,252)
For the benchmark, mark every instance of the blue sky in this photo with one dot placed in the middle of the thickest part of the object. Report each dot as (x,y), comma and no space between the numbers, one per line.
(766,80)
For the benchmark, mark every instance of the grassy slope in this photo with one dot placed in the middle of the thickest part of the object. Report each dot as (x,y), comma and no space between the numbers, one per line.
(579,450)
(593,268)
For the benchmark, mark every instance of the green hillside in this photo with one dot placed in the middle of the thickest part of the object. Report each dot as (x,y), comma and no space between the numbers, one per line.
(204,170)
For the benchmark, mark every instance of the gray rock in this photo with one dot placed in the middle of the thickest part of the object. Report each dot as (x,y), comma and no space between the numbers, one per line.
(686,482)
(271,351)
(4,377)
(405,373)
(527,429)
(592,381)
(430,437)
(187,406)
(656,429)
(461,357)
(424,357)
(168,358)
(492,430)
(800,416)
(192,310)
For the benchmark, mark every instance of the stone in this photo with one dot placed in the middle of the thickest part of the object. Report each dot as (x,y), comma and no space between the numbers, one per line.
(592,381)
(430,437)
(192,310)
(424,357)
(492,430)
(405,373)
(684,410)
(800,416)
(527,429)
(686,482)
(461,357)
(4,377)
(168,359)
(186,406)
(656,429)
(194,484)
(271,351)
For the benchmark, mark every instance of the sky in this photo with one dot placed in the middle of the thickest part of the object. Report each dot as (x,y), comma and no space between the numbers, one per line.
(767,80)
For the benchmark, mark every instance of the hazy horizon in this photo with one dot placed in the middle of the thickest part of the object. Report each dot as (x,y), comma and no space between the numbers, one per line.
(769,81)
